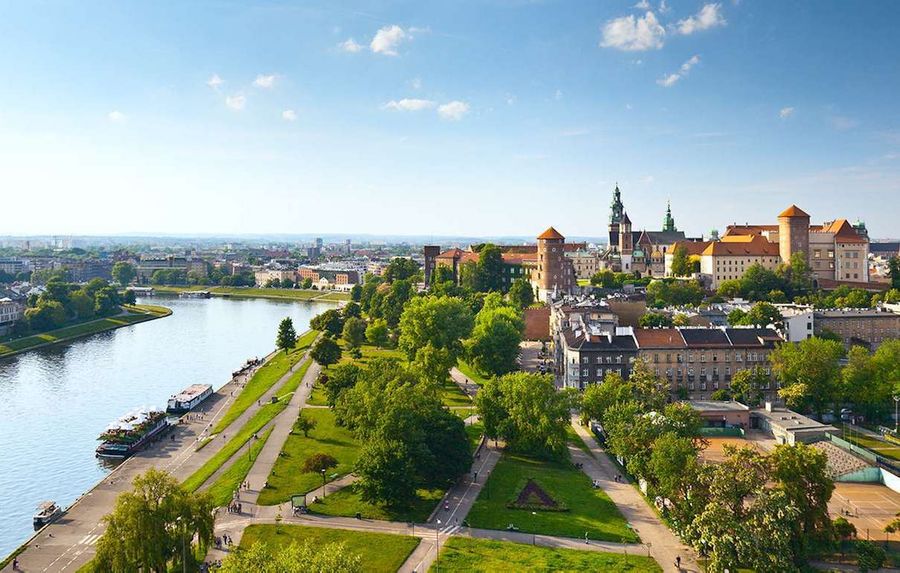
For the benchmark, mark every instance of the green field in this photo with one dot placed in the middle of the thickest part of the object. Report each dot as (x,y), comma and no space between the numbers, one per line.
(137,313)
(380,552)
(469,372)
(264,378)
(589,510)
(467,554)
(252,292)
(286,478)
(475,431)
(231,479)
(347,502)
(452,395)
(880,447)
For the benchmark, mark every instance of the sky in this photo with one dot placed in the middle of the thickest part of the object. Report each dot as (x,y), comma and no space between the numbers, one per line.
(469,118)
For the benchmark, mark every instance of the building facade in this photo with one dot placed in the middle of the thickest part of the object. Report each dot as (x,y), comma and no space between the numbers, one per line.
(867,327)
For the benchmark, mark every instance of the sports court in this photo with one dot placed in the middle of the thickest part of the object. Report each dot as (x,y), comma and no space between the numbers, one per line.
(715,453)
(867,505)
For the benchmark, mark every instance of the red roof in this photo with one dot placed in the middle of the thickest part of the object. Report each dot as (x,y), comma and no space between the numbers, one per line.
(742,245)
(550,233)
(658,338)
(794,211)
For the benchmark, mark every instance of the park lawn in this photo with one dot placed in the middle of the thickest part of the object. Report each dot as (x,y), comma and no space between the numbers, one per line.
(231,479)
(264,378)
(452,395)
(347,502)
(253,292)
(317,396)
(464,412)
(327,437)
(135,315)
(259,420)
(468,554)
(589,510)
(880,447)
(575,439)
(475,431)
(379,552)
(369,353)
(469,372)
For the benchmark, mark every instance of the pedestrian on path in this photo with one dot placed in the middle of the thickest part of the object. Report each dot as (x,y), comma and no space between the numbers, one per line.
(678,562)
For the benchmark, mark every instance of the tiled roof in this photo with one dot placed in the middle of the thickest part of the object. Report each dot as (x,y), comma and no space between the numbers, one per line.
(621,342)
(704,337)
(550,233)
(748,229)
(692,247)
(844,232)
(742,245)
(752,336)
(658,338)
(794,212)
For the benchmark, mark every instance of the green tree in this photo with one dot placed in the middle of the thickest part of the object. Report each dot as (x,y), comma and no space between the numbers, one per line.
(681,263)
(494,345)
(606,279)
(400,268)
(670,292)
(384,468)
(377,333)
(758,281)
(681,319)
(809,373)
(317,463)
(331,322)
(442,322)
(326,351)
(894,270)
(356,293)
(520,293)
(598,398)
(490,269)
(342,377)
(732,288)
(763,314)
(45,316)
(351,310)
(747,384)
(149,525)
(106,301)
(736,317)
(123,273)
(287,336)
(82,304)
(295,558)
(304,425)
(655,320)
(869,555)
(354,332)
(526,411)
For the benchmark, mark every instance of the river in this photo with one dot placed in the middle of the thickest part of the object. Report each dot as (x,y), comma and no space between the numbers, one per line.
(54,402)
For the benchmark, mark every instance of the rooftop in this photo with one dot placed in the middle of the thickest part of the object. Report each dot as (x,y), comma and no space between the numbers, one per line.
(794,212)
(550,233)
(717,406)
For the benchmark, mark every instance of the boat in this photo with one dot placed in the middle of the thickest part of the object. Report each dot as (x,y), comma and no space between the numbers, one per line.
(195,294)
(189,398)
(47,512)
(131,432)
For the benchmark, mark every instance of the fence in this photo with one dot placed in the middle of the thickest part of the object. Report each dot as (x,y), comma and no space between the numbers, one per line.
(713,432)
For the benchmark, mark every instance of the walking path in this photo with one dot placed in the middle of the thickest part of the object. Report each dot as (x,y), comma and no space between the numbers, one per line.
(467,386)
(663,545)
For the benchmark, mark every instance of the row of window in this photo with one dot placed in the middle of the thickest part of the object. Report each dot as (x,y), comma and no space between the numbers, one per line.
(738,357)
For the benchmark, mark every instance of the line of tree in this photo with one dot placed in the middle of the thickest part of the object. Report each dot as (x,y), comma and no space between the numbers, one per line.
(64,302)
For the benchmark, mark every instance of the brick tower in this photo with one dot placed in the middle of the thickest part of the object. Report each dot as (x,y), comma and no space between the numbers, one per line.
(793,232)
(552,275)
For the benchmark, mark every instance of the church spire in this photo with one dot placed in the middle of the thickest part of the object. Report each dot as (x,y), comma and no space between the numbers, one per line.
(669,221)
(616,208)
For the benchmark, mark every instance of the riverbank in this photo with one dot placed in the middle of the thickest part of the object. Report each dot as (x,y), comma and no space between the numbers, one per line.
(253,292)
(132,314)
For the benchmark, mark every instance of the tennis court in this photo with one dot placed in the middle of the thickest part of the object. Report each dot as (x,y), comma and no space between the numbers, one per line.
(867,505)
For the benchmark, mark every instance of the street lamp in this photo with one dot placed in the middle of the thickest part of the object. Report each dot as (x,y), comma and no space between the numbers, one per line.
(533,534)
(437,546)
(896,401)
(323,482)
(183,546)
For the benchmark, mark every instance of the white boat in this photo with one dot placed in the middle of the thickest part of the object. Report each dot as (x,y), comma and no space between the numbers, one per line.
(189,398)
(47,512)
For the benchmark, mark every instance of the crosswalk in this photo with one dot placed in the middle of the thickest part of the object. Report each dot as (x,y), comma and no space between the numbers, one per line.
(450,529)
(90,539)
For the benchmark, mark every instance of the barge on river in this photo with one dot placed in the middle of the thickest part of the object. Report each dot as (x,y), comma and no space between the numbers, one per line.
(131,432)
(189,398)
(47,512)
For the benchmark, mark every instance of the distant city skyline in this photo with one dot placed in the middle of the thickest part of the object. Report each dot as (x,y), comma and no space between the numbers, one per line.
(470,119)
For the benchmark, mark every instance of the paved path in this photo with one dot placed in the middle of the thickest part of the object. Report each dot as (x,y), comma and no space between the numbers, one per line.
(467,386)
(70,542)
(664,546)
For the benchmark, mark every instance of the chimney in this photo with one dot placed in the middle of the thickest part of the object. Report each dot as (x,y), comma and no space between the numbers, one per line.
(768,406)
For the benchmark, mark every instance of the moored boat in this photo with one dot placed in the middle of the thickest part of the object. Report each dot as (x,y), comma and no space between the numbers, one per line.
(47,512)
(189,398)
(131,432)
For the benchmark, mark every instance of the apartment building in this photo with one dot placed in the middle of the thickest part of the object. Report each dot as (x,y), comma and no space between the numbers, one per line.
(867,327)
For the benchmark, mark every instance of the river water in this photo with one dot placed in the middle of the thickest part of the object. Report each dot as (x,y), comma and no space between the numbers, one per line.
(54,402)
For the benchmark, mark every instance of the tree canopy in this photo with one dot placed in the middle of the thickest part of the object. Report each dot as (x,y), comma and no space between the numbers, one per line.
(287,336)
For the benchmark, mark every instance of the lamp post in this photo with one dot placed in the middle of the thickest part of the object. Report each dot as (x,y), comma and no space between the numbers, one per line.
(534,524)
(437,546)
(183,546)
(896,401)
(323,482)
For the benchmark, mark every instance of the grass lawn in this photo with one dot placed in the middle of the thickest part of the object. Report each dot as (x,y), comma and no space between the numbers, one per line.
(347,502)
(369,353)
(265,415)
(136,314)
(880,447)
(575,439)
(466,554)
(230,480)
(589,510)
(286,478)
(279,293)
(475,431)
(317,396)
(267,375)
(464,412)
(380,552)
(452,395)
(469,372)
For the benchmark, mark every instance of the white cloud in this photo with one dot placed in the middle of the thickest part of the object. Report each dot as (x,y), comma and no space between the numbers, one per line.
(415,83)
(116,116)
(454,110)
(710,16)
(670,80)
(265,81)
(642,5)
(558,95)
(632,34)
(387,39)
(289,115)
(786,112)
(664,8)
(350,46)
(236,102)
(409,104)
(215,81)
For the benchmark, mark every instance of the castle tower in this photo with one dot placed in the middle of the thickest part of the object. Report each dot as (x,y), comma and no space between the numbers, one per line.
(616,210)
(626,240)
(552,273)
(669,221)
(793,232)
(431,253)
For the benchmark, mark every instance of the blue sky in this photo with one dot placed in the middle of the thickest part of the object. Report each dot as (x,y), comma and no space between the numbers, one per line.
(476,118)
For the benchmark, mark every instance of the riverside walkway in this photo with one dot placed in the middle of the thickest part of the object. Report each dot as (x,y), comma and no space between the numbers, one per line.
(70,542)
